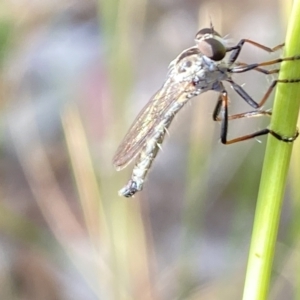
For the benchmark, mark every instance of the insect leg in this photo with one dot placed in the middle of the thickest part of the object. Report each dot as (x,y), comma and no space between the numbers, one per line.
(241,68)
(261,70)
(217,109)
(221,114)
(286,139)
(237,49)
(239,90)
(222,109)
(249,99)
(248,114)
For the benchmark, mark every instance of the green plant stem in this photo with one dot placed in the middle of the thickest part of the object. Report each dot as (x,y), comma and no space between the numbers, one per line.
(275,168)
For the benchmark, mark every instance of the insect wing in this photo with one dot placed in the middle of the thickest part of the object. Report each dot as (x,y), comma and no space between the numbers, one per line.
(145,122)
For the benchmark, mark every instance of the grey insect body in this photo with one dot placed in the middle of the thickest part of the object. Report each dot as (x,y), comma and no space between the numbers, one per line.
(194,71)
(190,74)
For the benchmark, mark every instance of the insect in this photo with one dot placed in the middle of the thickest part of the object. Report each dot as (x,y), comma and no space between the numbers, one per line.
(194,71)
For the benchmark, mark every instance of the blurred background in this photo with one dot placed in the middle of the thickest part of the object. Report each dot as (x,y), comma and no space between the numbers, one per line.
(74,74)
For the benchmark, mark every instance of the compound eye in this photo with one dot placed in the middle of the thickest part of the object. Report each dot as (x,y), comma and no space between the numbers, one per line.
(212,48)
(206,32)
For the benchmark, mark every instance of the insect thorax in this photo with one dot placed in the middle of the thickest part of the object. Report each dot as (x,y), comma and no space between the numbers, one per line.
(204,73)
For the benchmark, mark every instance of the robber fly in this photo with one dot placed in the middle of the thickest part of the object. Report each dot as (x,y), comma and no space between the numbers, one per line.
(195,70)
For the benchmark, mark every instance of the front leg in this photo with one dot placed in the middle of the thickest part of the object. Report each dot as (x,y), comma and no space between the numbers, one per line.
(237,49)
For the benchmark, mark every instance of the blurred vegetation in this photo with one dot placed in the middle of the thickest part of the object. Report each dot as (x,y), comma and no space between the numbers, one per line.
(74,75)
